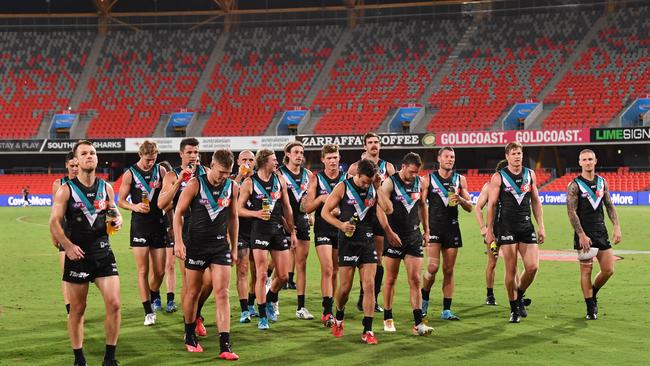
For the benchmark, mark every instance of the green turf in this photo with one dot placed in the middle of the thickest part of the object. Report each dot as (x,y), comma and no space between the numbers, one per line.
(33,321)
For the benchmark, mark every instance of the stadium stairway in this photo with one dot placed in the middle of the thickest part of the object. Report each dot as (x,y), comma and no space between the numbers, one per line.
(202,85)
(445,69)
(568,64)
(322,80)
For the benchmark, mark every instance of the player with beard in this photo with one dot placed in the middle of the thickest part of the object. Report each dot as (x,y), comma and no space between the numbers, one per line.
(372,146)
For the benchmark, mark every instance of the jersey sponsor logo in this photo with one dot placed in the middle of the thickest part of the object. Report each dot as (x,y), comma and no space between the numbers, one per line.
(219,237)
(223,202)
(139,240)
(323,239)
(99,205)
(394,251)
(507,237)
(434,237)
(263,243)
(195,262)
(103,244)
(75,274)
(368,235)
(78,205)
(350,258)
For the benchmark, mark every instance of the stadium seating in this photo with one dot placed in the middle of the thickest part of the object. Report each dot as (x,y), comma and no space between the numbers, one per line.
(37,183)
(510,58)
(38,74)
(383,66)
(141,75)
(621,180)
(612,72)
(264,71)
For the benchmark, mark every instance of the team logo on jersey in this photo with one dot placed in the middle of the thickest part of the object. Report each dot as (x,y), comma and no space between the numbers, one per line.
(276,195)
(223,202)
(214,207)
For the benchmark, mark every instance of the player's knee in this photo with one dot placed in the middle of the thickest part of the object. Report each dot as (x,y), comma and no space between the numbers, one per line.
(432,268)
(78,310)
(532,267)
(113,306)
(448,271)
(327,271)
(414,280)
(607,272)
(389,281)
(221,293)
(242,270)
(283,277)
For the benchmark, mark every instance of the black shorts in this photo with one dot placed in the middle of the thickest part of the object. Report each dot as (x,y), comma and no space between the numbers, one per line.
(244,240)
(198,259)
(599,239)
(327,239)
(411,245)
(302,226)
(88,269)
(277,241)
(377,230)
(152,236)
(448,236)
(507,236)
(356,253)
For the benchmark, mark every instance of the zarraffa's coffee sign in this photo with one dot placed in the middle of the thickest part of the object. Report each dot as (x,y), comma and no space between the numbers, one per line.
(620,134)
(414,141)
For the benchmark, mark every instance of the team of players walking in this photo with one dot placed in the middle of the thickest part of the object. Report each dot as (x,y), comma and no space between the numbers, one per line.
(370,218)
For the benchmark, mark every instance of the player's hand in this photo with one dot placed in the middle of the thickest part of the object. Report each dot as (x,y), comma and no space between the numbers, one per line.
(377,182)
(293,240)
(186,174)
(263,215)
(541,235)
(141,208)
(233,256)
(425,238)
(393,239)
(179,250)
(585,242)
(616,235)
(74,253)
(117,221)
(310,219)
(483,231)
(455,198)
(489,236)
(346,227)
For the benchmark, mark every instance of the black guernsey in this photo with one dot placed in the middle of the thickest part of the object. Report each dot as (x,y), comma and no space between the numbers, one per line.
(324,187)
(271,190)
(149,182)
(440,213)
(200,170)
(85,217)
(514,200)
(590,203)
(210,212)
(405,219)
(296,187)
(362,202)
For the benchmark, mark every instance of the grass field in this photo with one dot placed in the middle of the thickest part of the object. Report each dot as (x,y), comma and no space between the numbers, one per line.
(33,320)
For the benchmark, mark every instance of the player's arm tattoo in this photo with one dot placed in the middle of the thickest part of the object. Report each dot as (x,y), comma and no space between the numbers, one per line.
(611,211)
(572,206)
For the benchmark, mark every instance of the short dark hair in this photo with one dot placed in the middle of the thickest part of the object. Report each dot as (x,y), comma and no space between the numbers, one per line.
(224,157)
(446,148)
(514,145)
(79,143)
(191,141)
(501,164)
(329,149)
(412,159)
(369,135)
(69,156)
(367,167)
